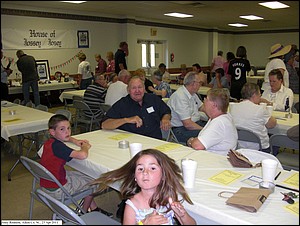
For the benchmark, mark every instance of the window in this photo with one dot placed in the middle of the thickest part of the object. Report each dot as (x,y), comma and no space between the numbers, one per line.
(153,52)
(148,55)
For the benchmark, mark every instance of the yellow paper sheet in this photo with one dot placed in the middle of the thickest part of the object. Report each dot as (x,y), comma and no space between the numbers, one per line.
(225,177)
(293,180)
(294,208)
(120,136)
(167,147)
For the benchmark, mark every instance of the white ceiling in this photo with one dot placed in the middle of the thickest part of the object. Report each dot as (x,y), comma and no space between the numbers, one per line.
(207,14)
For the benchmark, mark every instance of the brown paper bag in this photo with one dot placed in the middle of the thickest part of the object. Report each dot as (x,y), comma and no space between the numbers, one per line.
(249,199)
(239,160)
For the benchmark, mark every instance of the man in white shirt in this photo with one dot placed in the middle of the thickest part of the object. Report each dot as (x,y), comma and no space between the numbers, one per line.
(118,89)
(278,95)
(187,113)
(219,135)
(250,115)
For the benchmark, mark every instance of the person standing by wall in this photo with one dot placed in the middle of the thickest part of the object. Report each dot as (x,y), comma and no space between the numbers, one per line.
(101,64)
(27,66)
(217,62)
(120,57)
(238,69)
(5,72)
(84,72)
(111,62)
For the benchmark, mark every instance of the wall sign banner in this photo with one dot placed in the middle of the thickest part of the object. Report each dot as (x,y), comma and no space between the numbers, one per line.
(38,39)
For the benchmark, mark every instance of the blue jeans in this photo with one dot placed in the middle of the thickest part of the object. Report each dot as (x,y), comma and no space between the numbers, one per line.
(85,83)
(182,134)
(35,89)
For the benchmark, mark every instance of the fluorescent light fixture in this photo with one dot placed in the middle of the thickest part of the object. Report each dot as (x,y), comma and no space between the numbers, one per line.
(251,17)
(274,5)
(75,2)
(238,25)
(180,15)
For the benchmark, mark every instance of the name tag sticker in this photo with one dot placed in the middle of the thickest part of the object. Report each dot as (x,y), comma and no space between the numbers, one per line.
(150,109)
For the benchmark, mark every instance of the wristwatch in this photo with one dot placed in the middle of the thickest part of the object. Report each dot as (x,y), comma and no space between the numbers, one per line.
(190,140)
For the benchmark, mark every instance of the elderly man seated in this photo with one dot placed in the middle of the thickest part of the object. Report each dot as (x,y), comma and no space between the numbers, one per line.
(188,117)
(219,135)
(139,112)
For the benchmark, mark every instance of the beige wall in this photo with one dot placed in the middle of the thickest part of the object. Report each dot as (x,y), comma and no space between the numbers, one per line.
(188,46)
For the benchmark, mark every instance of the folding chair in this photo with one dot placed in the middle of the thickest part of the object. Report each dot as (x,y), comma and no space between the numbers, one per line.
(42,107)
(64,112)
(289,160)
(104,108)
(169,136)
(248,135)
(81,117)
(69,217)
(38,171)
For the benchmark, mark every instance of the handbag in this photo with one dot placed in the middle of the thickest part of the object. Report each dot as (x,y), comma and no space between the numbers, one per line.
(237,159)
(249,199)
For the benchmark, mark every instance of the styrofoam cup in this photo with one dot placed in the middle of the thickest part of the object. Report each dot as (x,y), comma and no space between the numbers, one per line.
(135,148)
(189,169)
(269,169)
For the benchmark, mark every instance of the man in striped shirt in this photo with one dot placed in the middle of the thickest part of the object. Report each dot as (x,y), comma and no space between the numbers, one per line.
(95,94)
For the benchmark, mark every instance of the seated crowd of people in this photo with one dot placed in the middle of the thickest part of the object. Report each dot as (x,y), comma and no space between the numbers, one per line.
(137,106)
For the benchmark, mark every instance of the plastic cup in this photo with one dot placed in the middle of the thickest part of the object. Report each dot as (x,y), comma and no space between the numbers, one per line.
(270,109)
(135,148)
(269,168)
(267,185)
(189,169)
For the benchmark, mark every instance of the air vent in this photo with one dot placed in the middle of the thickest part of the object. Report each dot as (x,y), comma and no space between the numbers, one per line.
(196,4)
(265,21)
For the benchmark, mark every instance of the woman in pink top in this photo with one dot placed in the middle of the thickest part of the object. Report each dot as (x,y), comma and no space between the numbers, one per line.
(111,62)
(217,62)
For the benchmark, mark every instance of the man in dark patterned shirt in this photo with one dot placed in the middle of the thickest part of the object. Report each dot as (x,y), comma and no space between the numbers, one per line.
(95,94)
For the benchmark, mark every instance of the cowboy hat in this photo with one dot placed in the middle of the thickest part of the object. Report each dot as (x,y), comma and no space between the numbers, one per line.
(279,50)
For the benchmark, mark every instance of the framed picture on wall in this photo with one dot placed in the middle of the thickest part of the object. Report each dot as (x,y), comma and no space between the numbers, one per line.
(43,69)
(83,39)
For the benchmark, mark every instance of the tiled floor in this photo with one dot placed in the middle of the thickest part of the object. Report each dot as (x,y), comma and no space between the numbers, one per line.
(15,194)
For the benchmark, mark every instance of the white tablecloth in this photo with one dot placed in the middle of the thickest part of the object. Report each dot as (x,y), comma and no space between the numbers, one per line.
(254,79)
(208,203)
(105,155)
(26,120)
(283,123)
(69,94)
(46,87)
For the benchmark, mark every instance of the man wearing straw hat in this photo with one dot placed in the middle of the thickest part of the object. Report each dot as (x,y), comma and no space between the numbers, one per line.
(276,62)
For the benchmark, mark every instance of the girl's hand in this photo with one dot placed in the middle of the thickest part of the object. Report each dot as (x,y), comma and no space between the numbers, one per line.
(178,208)
(155,219)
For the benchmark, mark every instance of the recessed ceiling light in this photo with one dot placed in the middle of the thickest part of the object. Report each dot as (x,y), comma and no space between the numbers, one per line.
(251,17)
(180,15)
(238,25)
(75,2)
(274,5)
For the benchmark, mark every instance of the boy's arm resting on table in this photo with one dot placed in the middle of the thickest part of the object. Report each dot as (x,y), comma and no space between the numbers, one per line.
(84,148)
